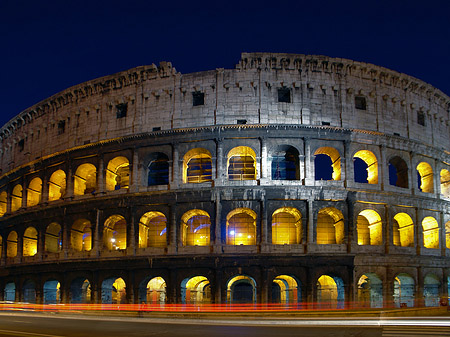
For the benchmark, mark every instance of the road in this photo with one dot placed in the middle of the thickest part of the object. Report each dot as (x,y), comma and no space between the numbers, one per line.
(56,325)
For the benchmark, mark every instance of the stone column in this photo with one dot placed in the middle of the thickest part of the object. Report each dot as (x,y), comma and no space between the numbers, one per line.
(264,160)
(264,223)
(97,243)
(20,246)
(45,186)
(41,244)
(176,166)
(383,169)
(442,238)
(310,233)
(101,175)
(172,229)
(217,224)
(131,233)
(65,239)
(346,163)
(264,288)
(135,172)
(24,194)
(418,231)
(220,171)
(69,183)
(309,171)
(419,299)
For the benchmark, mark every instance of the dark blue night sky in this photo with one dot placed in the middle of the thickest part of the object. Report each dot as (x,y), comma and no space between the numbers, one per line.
(48,46)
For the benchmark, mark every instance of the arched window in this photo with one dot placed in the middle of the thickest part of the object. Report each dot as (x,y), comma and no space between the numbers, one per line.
(152,230)
(196,290)
(16,198)
(241,290)
(369,228)
(196,226)
(57,185)
(53,238)
(30,239)
(286,226)
(241,163)
(11,244)
(3,203)
(445,183)
(330,291)
(81,235)
(403,230)
(285,290)
(330,226)
(158,169)
(430,232)
(398,172)
(425,177)
(114,291)
(115,232)
(117,174)
(85,179)
(34,192)
(197,166)
(153,291)
(285,164)
(327,164)
(365,166)
(241,227)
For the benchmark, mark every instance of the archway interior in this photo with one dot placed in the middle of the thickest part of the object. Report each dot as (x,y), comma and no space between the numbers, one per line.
(431,293)
(80,291)
(85,179)
(57,185)
(430,232)
(11,244)
(52,292)
(29,292)
(3,203)
(81,235)
(425,177)
(370,291)
(156,291)
(285,164)
(196,228)
(285,290)
(369,228)
(404,290)
(10,292)
(53,238)
(115,233)
(241,163)
(118,174)
(152,230)
(196,290)
(30,238)
(241,290)
(113,291)
(197,166)
(16,198)
(34,192)
(286,226)
(403,230)
(241,227)
(330,291)
(365,167)
(158,170)
(327,164)
(330,226)
(445,183)
(398,172)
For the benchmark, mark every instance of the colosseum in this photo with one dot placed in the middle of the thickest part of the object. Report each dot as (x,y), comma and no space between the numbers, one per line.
(289,179)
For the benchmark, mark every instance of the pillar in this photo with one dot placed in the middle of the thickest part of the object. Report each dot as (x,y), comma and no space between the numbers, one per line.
(132,234)
(41,243)
(309,171)
(135,172)
(101,175)
(264,160)
(383,169)
(218,286)
(310,233)
(69,183)
(172,230)
(97,244)
(217,224)
(176,166)
(220,170)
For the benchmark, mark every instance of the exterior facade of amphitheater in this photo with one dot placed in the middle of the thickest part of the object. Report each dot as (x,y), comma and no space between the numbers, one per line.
(289,179)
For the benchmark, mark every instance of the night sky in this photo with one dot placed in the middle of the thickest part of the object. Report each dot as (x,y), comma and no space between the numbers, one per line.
(48,46)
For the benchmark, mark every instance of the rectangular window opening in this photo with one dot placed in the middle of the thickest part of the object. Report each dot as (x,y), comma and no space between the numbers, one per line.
(420,118)
(284,95)
(360,103)
(121,110)
(61,127)
(198,98)
(241,121)
(158,128)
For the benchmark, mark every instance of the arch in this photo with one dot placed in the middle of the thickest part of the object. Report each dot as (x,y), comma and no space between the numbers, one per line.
(196,290)
(369,228)
(196,227)
(404,290)
(53,238)
(197,166)
(80,291)
(241,227)
(10,292)
(285,163)
(52,293)
(241,289)
(368,173)
(158,169)
(16,198)
(323,166)
(30,238)
(403,230)
(398,172)
(330,291)
(285,289)
(370,291)
(115,232)
(153,230)
(153,291)
(445,183)
(241,163)
(118,174)
(81,235)
(34,192)
(447,234)
(431,293)
(425,177)
(286,226)
(430,232)
(85,179)
(114,291)
(29,291)
(11,244)
(57,185)
(3,203)
(330,226)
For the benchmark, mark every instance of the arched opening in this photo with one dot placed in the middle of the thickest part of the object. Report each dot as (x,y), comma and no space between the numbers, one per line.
(34,192)
(431,285)
(370,291)
(10,292)
(29,292)
(330,226)
(117,174)
(197,166)
(285,289)
(114,291)
(196,227)
(369,228)
(430,232)
(365,167)
(53,238)
(447,234)
(286,226)
(241,227)
(80,291)
(398,172)
(30,238)
(115,232)
(52,292)
(153,291)
(3,203)
(57,185)
(81,235)
(330,292)
(152,230)
(403,230)
(285,165)
(241,163)
(16,198)
(327,164)
(241,290)
(85,179)
(404,290)
(425,177)
(158,169)
(445,183)
(196,290)
(11,244)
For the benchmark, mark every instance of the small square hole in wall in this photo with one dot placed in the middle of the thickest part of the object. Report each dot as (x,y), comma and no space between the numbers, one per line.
(241,121)
(198,98)
(360,103)
(325,123)
(158,128)
(121,110)
(21,145)
(284,95)
(421,118)
(61,127)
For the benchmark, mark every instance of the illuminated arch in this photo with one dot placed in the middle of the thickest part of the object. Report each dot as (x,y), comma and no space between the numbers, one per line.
(447,234)
(153,230)
(445,183)
(403,230)
(286,226)
(115,232)
(16,198)
(30,239)
(370,291)
(197,166)
(371,162)
(241,227)
(57,185)
(431,290)
(34,192)
(369,228)
(81,235)
(158,169)
(398,172)
(118,174)
(285,164)
(53,238)
(330,291)
(330,226)
(196,290)
(335,164)
(154,291)
(404,290)
(241,289)
(114,291)
(52,293)
(285,289)
(241,163)
(3,203)
(425,177)
(85,179)
(196,227)
(11,244)
(430,232)
(80,291)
